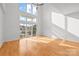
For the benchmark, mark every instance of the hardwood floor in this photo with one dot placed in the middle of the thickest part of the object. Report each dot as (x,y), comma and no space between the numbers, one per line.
(40,46)
(10,48)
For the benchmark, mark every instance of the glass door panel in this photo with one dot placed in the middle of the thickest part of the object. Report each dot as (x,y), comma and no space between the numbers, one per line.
(34,30)
(29,27)
(29,30)
(22,26)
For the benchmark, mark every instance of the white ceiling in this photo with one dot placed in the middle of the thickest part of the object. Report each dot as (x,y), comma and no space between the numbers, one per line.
(67,8)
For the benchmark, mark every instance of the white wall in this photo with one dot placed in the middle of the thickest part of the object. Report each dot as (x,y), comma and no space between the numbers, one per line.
(1,25)
(39,20)
(57,29)
(11,22)
(47,19)
(73,25)
(58,19)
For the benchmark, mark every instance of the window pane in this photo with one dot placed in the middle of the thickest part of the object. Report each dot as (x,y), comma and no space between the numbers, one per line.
(29,8)
(29,25)
(22,24)
(22,7)
(29,20)
(22,18)
(34,10)
(34,20)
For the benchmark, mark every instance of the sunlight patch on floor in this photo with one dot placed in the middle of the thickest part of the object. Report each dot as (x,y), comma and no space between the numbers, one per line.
(63,44)
(39,40)
(27,44)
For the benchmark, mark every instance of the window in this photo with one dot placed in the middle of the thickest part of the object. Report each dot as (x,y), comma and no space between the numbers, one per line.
(34,10)
(29,8)
(22,18)
(28,20)
(22,24)
(29,25)
(34,20)
(22,7)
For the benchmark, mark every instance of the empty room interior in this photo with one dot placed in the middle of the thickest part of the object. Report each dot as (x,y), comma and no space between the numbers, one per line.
(39,29)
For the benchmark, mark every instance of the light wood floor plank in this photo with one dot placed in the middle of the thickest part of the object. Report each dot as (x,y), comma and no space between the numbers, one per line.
(39,46)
